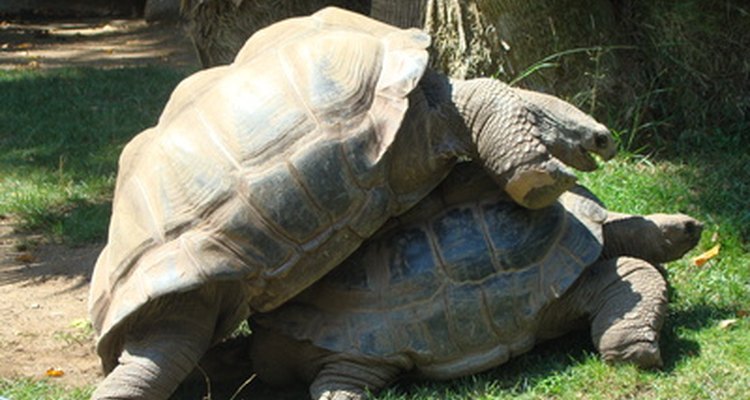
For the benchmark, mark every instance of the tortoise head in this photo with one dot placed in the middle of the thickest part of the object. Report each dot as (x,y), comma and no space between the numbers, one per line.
(569,134)
(534,139)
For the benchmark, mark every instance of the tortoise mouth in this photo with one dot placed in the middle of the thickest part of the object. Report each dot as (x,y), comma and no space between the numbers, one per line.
(585,161)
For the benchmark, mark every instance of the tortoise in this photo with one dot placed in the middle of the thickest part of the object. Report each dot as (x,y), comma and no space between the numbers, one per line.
(262,176)
(468,279)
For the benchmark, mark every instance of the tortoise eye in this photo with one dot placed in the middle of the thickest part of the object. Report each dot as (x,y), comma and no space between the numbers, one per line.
(601,141)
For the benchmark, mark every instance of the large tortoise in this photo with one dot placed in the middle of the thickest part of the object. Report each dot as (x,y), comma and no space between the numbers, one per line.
(468,279)
(263,175)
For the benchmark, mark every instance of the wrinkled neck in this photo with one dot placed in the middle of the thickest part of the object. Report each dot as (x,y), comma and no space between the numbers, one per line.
(498,126)
(482,104)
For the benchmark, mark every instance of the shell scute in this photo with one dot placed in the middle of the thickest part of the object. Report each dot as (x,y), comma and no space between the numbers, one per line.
(411,257)
(414,335)
(462,245)
(283,202)
(323,172)
(435,320)
(528,296)
(378,202)
(521,237)
(468,328)
(333,74)
(245,232)
(350,277)
(259,113)
(500,293)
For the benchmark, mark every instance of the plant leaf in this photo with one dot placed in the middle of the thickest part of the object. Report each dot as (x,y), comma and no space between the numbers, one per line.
(709,254)
(54,373)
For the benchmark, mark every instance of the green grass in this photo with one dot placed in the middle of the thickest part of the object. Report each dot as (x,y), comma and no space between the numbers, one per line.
(28,389)
(60,136)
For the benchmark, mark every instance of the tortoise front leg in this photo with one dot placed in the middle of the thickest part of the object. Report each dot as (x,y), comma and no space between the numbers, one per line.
(624,300)
(628,311)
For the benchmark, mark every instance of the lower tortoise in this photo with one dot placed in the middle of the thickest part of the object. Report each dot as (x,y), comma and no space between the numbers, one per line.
(467,280)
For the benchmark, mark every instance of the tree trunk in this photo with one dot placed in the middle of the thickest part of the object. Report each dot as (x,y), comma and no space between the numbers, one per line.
(219,28)
(504,38)
(501,38)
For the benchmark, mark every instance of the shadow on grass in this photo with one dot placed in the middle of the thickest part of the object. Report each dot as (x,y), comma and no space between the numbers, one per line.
(675,347)
(719,174)
(77,120)
(60,139)
(715,166)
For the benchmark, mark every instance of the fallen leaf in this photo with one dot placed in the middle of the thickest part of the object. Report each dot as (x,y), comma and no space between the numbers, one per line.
(24,46)
(727,323)
(25,258)
(55,373)
(709,254)
(743,313)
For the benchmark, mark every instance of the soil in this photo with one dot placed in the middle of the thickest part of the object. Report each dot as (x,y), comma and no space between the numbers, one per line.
(94,42)
(44,286)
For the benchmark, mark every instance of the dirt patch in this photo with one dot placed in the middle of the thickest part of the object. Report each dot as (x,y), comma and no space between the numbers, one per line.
(44,287)
(98,43)
(43,309)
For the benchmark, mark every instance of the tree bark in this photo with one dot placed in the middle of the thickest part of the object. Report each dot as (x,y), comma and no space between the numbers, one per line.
(219,28)
(501,38)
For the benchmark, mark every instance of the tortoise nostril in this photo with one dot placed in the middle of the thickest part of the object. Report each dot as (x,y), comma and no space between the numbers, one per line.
(691,228)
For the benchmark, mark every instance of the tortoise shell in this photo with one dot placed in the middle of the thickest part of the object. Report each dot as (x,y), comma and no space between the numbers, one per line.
(269,171)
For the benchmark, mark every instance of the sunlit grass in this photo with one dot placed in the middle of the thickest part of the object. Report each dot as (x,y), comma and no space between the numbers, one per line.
(29,389)
(60,136)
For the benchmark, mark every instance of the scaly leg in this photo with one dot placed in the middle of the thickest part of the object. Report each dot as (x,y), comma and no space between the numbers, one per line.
(162,346)
(625,301)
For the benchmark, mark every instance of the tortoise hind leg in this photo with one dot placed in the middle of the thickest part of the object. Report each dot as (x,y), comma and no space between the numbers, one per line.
(162,346)
(283,361)
(625,301)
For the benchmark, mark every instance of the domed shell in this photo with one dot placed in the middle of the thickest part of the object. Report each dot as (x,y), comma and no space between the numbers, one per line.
(457,288)
(260,171)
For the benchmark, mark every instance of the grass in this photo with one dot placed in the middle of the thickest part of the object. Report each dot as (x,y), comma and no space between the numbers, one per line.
(29,389)
(60,136)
